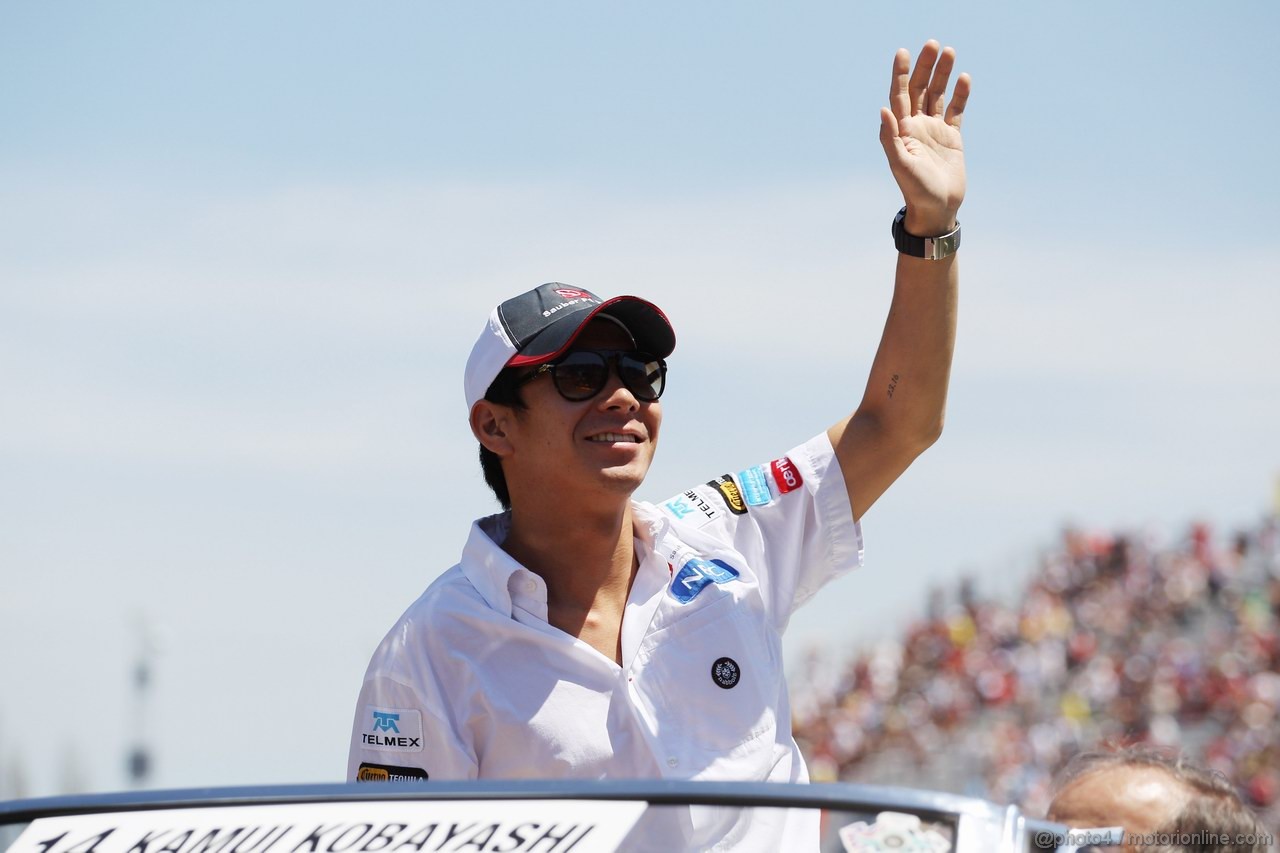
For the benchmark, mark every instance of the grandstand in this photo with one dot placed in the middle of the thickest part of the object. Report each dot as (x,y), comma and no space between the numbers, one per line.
(1114,639)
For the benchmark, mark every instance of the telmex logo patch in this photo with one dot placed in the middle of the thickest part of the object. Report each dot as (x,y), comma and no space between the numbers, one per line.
(692,503)
(729,491)
(389,773)
(392,729)
(696,574)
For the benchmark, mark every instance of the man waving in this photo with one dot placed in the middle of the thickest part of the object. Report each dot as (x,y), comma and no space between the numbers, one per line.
(584,634)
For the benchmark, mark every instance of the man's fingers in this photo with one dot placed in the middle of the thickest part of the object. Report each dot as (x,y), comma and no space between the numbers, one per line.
(888,126)
(955,110)
(923,89)
(894,145)
(935,96)
(899,91)
(920,76)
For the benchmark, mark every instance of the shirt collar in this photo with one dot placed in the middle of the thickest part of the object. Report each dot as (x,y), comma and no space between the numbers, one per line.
(650,524)
(492,570)
(486,565)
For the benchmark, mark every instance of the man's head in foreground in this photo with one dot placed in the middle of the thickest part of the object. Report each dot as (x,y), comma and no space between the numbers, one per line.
(562,392)
(1163,802)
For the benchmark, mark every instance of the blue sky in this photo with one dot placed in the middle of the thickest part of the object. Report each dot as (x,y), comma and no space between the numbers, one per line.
(244,249)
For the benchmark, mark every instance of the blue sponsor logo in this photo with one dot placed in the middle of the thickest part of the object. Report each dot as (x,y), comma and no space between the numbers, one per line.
(755,486)
(679,507)
(385,722)
(695,574)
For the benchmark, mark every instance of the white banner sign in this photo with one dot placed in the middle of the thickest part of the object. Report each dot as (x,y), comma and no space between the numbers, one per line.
(411,826)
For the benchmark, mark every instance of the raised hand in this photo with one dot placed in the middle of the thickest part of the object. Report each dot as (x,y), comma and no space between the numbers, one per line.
(920,133)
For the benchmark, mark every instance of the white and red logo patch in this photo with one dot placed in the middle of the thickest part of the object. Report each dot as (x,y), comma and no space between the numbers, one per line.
(786,475)
(570,293)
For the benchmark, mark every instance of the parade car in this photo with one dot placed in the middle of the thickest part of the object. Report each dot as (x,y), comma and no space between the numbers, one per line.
(513,817)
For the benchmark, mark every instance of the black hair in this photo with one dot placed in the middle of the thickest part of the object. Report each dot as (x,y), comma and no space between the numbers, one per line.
(505,391)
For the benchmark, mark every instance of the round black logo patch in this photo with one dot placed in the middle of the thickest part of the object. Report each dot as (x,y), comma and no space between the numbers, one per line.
(725,672)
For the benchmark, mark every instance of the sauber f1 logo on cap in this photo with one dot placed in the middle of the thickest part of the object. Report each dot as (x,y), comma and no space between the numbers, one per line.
(392,729)
(571,293)
(786,475)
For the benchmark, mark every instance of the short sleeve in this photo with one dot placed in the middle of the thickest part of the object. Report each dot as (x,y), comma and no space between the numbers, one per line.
(789,518)
(396,737)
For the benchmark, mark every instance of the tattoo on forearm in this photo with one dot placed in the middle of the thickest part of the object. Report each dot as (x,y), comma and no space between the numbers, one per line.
(893,383)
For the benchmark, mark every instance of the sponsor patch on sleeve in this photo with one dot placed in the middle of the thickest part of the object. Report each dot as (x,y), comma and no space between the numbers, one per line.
(693,507)
(729,492)
(786,475)
(392,729)
(389,773)
(755,486)
(696,574)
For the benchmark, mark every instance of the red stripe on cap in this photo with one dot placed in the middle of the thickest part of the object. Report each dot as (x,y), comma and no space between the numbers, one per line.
(519,360)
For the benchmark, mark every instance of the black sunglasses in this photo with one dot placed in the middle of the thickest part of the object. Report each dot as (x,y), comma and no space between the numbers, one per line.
(582,374)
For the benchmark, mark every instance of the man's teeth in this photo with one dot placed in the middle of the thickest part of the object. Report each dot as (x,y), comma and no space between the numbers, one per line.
(612,436)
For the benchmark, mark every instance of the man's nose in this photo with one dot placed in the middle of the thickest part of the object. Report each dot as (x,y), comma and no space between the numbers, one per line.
(616,395)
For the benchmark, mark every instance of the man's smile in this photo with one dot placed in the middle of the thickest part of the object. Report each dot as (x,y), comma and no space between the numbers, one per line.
(613,437)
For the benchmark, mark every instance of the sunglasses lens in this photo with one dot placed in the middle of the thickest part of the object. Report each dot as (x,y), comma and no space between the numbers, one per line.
(643,374)
(581,375)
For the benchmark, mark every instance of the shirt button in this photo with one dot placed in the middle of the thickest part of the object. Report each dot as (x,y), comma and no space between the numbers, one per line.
(673,761)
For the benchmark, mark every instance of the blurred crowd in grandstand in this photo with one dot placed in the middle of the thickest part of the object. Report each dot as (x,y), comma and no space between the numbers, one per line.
(1114,640)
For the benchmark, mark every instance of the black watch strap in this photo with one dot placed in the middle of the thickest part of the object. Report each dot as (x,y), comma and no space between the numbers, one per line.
(929,248)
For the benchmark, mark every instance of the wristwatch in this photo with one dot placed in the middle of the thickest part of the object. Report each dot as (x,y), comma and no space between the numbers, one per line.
(929,248)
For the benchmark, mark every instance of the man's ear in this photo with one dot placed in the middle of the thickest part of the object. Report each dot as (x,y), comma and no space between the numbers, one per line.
(488,425)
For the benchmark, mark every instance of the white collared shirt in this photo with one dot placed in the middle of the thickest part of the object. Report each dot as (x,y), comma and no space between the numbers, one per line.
(474,682)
